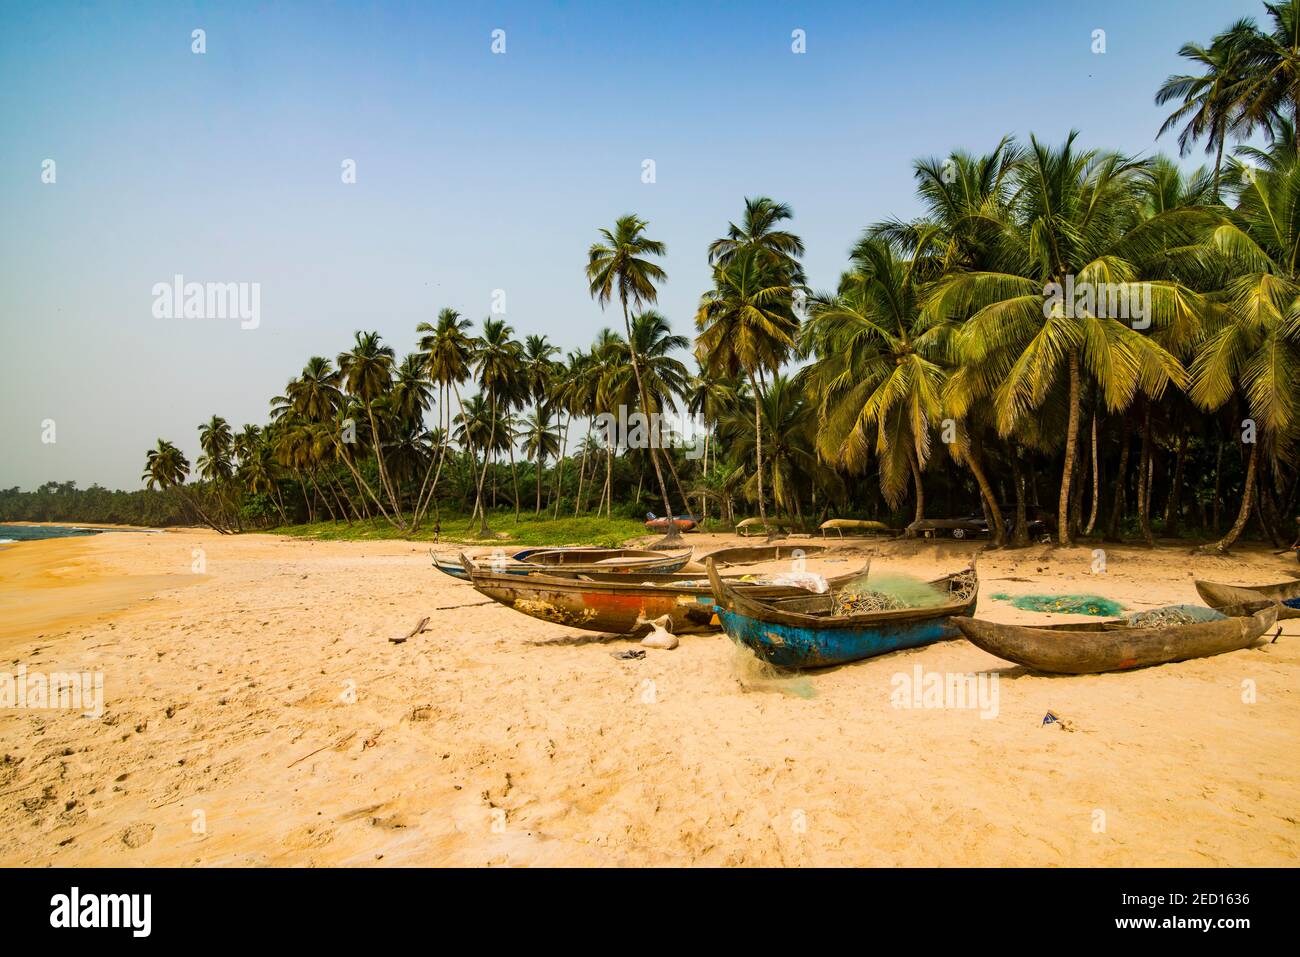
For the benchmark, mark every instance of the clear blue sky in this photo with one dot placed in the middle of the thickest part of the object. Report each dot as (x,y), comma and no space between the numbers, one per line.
(475,171)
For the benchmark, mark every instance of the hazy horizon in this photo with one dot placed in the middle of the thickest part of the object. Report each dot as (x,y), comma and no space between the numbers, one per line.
(475,171)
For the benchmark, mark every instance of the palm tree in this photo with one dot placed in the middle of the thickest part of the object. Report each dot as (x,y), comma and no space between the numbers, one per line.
(1252,347)
(496,359)
(1270,87)
(746,326)
(166,467)
(618,264)
(757,230)
(447,349)
(1072,216)
(1208,106)
(541,441)
(877,377)
(366,371)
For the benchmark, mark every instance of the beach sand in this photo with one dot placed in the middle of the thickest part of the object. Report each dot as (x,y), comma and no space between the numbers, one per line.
(258,715)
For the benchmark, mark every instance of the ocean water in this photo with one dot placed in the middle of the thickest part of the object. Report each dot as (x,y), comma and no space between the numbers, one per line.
(31,533)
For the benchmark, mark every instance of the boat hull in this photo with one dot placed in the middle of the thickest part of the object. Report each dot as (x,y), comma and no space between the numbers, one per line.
(1220,596)
(808,634)
(790,646)
(573,562)
(1079,652)
(611,606)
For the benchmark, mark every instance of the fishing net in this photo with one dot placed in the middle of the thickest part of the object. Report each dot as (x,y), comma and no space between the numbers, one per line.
(1065,604)
(752,673)
(1173,615)
(886,592)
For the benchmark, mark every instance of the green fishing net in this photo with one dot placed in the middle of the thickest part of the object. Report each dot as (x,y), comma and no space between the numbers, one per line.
(1065,604)
(888,591)
(754,674)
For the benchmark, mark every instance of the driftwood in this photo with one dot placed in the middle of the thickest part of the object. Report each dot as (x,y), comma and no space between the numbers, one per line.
(341,741)
(422,625)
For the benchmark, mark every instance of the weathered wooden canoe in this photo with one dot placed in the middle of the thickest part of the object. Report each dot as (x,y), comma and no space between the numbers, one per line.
(803,632)
(1113,645)
(1286,594)
(451,564)
(753,555)
(571,561)
(617,603)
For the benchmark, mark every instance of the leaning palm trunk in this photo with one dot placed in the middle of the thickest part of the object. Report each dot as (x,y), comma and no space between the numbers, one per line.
(914,461)
(1071,450)
(986,491)
(1243,514)
(674,533)
(383,471)
(362,483)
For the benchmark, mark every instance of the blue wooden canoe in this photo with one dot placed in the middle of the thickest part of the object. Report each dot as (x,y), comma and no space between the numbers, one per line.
(803,632)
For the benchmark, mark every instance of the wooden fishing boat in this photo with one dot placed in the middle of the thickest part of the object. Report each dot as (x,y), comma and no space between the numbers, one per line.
(619,603)
(1094,647)
(1286,594)
(451,564)
(855,526)
(658,523)
(572,561)
(806,633)
(756,554)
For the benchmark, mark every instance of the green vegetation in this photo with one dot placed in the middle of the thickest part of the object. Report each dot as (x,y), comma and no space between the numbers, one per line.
(530,530)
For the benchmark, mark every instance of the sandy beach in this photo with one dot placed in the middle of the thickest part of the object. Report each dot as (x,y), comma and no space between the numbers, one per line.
(257,714)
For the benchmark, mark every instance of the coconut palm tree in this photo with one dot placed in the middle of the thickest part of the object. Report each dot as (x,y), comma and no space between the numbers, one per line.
(165,468)
(1072,216)
(758,230)
(746,326)
(497,364)
(541,441)
(366,372)
(877,378)
(447,349)
(618,264)
(1209,106)
(1252,346)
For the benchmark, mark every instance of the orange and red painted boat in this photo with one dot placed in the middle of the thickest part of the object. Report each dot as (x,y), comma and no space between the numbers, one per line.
(619,603)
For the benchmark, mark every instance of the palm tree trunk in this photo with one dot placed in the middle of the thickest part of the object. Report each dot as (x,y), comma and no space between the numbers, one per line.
(559,468)
(1243,514)
(674,533)
(483,530)
(1121,481)
(1144,480)
(1218,482)
(582,473)
(1096,477)
(915,463)
(758,448)
(383,470)
(1174,507)
(1020,535)
(986,491)
(1071,451)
